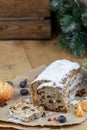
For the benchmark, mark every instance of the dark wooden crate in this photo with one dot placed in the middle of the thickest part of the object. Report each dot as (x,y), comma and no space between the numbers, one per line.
(25,19)
(84,1)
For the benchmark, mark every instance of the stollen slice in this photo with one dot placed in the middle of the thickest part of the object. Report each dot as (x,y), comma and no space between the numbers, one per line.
(25,111)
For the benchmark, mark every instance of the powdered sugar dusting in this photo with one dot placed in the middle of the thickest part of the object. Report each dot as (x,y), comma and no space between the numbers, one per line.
(74,102)
(56,72)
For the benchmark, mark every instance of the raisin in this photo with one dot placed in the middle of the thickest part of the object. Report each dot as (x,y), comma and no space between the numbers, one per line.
(49,96)
(46,107)
(43,97)
(50,101)
(32,110)
(58,101)
(26,107)
(42,104)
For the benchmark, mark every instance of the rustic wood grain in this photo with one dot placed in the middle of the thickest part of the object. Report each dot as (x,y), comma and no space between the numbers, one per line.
(25,19)
(13,60)
(24,8)
(24,29)
(34,49)
(46,52)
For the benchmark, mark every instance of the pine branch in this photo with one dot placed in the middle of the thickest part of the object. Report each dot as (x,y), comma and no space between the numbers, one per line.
(75,41)
(68,24)
(64,40)
(73,21)
(84,18)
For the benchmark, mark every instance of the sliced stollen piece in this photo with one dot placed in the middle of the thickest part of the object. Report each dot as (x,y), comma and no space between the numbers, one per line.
(25,111)
(53,87)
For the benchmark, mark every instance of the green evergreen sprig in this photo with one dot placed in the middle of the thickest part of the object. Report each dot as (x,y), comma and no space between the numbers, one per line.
(72,16)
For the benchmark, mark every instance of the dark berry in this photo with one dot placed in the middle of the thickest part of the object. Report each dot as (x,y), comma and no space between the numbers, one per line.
(55,119)
(23,84)
(26,80)
(24,92)
(49,119)
(62,119)
(10,82)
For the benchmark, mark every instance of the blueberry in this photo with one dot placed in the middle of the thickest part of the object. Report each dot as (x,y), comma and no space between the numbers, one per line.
(62,119)
(23,84)
(10,82)
(24,92)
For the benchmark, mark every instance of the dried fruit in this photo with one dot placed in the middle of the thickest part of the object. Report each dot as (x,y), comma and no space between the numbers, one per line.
(79,111)
(55,119)
(26,80)
(49,119)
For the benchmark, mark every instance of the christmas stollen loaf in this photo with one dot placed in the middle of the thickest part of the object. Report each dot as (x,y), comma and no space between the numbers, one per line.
(53,87)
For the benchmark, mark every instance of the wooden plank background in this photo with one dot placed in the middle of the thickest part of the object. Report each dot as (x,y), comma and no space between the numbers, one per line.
(24,8)
(84,1)
(25,29)
(25,19)
(13,60)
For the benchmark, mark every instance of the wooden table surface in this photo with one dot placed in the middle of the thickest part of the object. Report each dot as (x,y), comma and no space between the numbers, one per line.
(18,57)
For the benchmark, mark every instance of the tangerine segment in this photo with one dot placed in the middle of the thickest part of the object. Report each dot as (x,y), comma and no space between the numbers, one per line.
(84,106)
(79,111)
